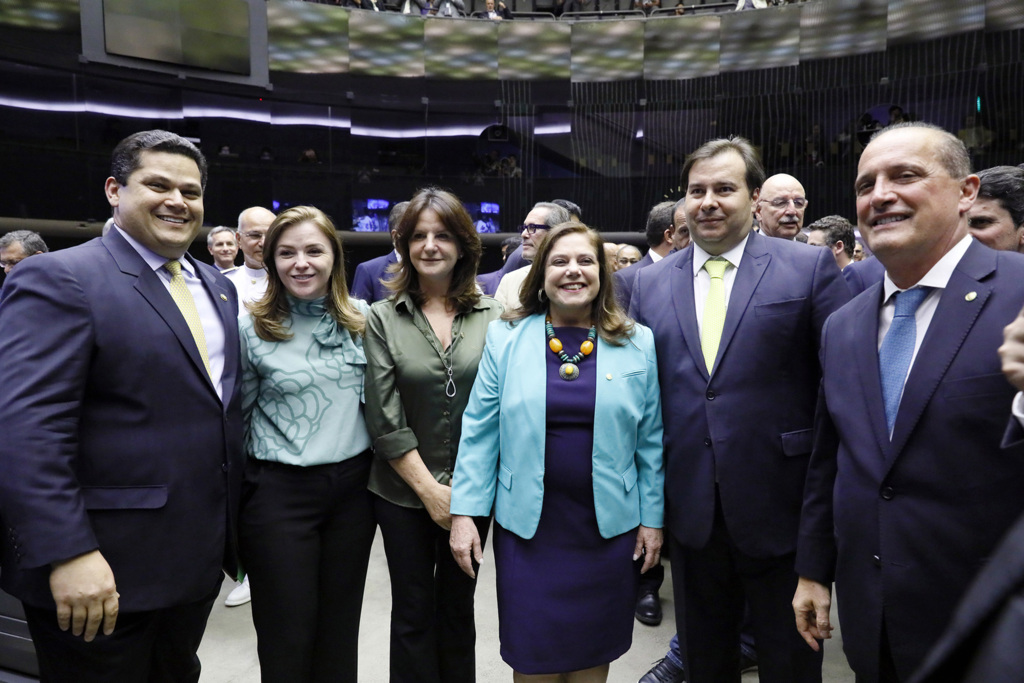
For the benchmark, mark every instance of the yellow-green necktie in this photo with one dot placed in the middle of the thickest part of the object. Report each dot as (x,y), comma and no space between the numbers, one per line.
(183,298)
(714,311)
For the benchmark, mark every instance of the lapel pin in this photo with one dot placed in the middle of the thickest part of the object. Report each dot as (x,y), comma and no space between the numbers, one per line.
(223,297)
(608,376)
(971,296)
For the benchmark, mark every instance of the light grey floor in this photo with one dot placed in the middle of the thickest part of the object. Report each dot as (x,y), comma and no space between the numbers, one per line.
(228,651)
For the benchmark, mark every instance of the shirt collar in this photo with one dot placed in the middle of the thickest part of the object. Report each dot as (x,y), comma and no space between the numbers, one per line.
(655,256)
(405,302)
(938,276)
(153,259)
(733,256)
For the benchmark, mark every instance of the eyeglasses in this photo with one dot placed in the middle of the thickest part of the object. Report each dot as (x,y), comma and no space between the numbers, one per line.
(255,236)
(531,228)
(782,203)
(7,265)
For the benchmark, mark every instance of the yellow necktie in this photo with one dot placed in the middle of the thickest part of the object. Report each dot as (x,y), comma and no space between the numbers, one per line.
(714,311)
(187,305)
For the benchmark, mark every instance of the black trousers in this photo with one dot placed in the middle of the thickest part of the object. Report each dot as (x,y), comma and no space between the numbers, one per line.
(158,646)
(433,629)
(305,535)
(711,585)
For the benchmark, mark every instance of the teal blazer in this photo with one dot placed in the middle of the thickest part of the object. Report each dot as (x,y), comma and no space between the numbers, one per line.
(501,453)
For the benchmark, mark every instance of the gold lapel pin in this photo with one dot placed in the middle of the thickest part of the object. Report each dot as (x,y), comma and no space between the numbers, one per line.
(971,296)
(223,297)
(608,376)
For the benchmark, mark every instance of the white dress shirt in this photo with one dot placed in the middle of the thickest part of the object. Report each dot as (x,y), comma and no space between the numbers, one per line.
(213,327)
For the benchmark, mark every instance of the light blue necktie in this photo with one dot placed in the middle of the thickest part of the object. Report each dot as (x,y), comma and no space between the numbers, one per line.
(898,348)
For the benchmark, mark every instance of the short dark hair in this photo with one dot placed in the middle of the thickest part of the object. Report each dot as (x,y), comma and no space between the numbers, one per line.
(951,150)
(658,221)
(30,241)
(395,215)
(836,229)
(127,155)
(1005,184)
(605,314)
(572,207)
(754,175)
(463,293)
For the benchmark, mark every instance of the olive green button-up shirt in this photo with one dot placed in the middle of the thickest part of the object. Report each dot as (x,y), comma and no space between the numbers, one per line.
(411,400)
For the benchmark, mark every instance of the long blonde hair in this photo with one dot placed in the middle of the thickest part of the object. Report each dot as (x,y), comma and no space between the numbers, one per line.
(271,312)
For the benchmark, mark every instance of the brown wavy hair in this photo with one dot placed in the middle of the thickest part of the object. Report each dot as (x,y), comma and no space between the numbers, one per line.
(463,293)
(271,312)
(605,313)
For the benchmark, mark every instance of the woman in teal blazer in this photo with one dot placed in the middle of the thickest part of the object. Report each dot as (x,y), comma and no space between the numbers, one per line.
(567,448)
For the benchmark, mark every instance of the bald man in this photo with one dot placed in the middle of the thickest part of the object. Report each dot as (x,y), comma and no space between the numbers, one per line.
(250,279)
(780,209)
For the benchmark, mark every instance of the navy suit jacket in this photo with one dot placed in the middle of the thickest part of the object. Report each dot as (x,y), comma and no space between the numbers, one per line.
(748,425)
(489,281)
(624,280)
(862,274)
(983,641)
(366,283)
(114,436)
(904,524)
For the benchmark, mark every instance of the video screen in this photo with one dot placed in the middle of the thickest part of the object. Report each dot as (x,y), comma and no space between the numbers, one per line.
(371,215)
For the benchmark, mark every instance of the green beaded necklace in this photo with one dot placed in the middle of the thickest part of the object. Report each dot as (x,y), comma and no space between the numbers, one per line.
(570,369)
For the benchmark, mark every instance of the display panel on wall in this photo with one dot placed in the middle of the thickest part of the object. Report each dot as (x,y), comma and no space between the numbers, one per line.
(194,33)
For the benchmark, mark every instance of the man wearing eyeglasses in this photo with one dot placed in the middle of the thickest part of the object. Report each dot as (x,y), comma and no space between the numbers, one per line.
(780,210)
(250,279)
(542,217)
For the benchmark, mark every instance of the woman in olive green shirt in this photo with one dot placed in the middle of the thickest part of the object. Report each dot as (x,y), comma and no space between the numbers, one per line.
(423,345)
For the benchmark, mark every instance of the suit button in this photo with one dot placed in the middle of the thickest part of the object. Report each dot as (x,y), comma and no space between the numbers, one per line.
(707,442)
(224,467)
(887,493)
(876,560)
(710,395)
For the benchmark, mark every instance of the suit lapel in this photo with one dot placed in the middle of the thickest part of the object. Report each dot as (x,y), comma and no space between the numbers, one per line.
(229,319)
(752,268)
(681,288)
(959,306)
(152,289)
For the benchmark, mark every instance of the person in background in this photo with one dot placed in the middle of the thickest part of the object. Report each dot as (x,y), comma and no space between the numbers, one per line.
(306,523)
(562,436)
(223,247)
(423,345)
(626,256)
(369,282)
(18,245)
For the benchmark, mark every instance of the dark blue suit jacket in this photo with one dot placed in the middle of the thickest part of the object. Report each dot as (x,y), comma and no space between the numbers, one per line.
(905,524)
(983,641)
(366,283)
(624,280)
(114,435)
(862,274)
(489,281)
(748,424)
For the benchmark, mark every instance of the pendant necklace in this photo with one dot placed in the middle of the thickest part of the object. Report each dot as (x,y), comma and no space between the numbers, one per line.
(569,369)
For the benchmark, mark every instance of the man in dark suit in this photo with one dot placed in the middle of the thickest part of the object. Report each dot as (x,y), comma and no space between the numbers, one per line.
(368,281)
(910,485)
(122,446)
(659,243)
(736,318)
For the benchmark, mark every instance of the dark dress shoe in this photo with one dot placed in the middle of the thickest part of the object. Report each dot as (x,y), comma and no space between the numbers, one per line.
(648,609)
(665,671)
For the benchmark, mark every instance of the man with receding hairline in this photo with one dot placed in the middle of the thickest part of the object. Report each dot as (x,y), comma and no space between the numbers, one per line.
(781,206)
(250,279)
(122,447)
(911,483)
(736,318)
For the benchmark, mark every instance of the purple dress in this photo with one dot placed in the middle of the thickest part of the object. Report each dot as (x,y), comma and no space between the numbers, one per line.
(566,597)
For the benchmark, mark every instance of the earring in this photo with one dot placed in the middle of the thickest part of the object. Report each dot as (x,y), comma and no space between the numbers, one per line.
(540,295)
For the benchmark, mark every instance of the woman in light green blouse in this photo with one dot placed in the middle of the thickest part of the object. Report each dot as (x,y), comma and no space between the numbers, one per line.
(423,345)
(306,522)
